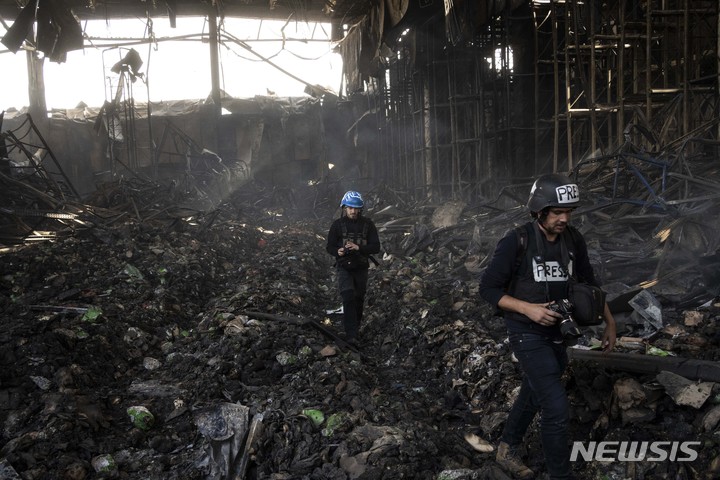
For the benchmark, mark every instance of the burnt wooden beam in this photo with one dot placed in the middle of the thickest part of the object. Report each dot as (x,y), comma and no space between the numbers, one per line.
(632,362)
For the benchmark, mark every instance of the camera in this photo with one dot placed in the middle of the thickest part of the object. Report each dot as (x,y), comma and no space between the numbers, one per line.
(568,327)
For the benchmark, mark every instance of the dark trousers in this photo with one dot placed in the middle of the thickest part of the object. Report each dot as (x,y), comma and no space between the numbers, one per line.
(352,286)
(543,362)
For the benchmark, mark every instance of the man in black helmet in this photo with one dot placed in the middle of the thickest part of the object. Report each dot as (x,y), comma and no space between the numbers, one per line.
(523,288)
(352,240)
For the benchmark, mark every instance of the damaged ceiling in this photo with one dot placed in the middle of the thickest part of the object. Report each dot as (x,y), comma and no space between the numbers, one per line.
(57,30)
(299,10)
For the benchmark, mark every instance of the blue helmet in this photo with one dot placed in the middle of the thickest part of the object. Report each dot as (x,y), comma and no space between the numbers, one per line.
(352,199)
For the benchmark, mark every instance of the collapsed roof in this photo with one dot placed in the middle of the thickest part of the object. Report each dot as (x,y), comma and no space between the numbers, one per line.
(312,10)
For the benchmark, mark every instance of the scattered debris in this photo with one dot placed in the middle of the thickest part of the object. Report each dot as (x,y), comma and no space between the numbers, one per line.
(685,392)
(222,322)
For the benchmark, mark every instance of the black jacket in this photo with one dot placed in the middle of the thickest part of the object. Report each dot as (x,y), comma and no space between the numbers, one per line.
(532,282)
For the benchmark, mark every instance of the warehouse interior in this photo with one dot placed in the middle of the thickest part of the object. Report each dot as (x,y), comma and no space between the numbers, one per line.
(442,100)
(168,308)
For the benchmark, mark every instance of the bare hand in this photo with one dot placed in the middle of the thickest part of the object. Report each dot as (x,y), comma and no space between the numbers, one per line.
(540,314)
(610,333)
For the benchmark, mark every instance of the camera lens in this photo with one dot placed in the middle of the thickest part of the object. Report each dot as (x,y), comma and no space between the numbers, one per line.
(569,329)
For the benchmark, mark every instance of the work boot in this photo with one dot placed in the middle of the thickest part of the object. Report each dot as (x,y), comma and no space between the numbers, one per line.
(509,459)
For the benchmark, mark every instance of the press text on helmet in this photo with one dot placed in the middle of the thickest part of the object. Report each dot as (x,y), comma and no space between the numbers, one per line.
(567,193)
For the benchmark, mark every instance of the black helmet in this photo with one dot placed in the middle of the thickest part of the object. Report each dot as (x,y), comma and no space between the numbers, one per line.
(553,190)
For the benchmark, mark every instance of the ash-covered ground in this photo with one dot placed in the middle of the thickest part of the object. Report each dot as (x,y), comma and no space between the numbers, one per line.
(220,326)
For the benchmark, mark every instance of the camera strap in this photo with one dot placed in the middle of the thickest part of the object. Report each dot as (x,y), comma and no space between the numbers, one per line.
(565,261)
(564,256)
(540,246)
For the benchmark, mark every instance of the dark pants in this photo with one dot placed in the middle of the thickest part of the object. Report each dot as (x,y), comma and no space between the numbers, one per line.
(543,362)
(352,286)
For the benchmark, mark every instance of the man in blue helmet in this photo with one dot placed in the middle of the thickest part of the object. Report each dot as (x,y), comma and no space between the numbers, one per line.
(352,240)
(523,284)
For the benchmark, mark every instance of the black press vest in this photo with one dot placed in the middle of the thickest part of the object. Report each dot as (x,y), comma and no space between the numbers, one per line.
(543,273)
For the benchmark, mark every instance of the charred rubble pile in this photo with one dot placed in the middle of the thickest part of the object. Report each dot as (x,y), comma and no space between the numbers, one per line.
(146,340)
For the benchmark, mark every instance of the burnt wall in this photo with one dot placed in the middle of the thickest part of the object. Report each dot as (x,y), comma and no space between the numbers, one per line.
(276,140)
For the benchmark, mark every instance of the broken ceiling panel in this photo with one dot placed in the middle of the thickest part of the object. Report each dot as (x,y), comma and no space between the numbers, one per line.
(299,10)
